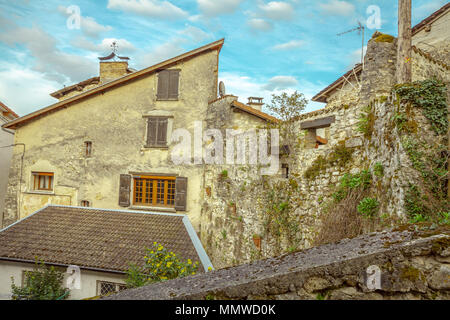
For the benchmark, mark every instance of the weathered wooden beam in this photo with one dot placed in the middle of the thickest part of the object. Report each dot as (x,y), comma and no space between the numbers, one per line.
(318,123)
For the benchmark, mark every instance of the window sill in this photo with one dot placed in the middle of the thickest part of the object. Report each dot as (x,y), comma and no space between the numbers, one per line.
(168,99)
(155,147)
(44,193)
(158,209)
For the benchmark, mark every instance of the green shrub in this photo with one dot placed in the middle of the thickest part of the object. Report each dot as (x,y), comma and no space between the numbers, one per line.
(368,207)
(160,265)
(378,169)
(43,283)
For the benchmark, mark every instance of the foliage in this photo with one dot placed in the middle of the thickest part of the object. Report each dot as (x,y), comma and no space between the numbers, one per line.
(340,156)
(384,38)
(430,95)
(366,122)
(160,265)
(43,283)
(361,180)
(286,107)
(378,169)
(224,174)
(368,207)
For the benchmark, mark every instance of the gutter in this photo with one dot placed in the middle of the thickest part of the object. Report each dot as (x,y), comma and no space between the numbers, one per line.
(60,265)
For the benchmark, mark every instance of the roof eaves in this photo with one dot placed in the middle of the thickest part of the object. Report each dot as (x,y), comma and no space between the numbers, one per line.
(2,105)
(430,19)
(214,45)
(254,112)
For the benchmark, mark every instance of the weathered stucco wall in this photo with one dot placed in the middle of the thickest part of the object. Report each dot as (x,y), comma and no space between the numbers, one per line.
(6,139)
(411,267)
(114,122)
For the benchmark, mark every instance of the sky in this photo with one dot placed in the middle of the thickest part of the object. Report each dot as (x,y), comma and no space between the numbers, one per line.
(270,46)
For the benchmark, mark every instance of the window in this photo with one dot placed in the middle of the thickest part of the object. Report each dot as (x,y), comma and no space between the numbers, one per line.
(154,191)
(88,148)
(85,203)
(42,181)
(168,81)
(104,288)
(157,132)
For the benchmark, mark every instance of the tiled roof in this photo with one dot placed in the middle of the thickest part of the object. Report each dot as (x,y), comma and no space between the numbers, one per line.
(255,112)
(322,95)
(97,239)
(76,87)
(217,45)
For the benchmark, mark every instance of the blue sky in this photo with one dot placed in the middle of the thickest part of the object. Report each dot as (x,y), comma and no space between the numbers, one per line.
(270,46)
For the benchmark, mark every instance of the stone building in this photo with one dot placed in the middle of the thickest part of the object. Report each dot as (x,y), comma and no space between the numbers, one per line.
(108,142)
(248,216)
(6,140)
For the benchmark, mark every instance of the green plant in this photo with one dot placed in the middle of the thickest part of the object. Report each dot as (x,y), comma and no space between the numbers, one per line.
(378,169)
(340,156)
(366,122)
(224,234)
(368,207)
(160,264)
(43,283)
(224,174)
(431,96)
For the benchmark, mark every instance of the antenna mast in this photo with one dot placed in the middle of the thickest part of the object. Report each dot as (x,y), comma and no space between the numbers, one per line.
(360,28)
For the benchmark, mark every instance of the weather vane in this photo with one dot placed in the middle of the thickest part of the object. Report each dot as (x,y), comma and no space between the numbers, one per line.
(113,55)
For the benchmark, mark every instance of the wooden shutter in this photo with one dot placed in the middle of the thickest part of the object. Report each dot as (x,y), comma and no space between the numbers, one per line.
(162,132)
(173,84)
(180,194)
(124,191)
(152,130)
(163,85)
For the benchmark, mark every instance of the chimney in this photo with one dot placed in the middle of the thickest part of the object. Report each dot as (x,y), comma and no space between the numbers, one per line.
(112,70)
(255,103)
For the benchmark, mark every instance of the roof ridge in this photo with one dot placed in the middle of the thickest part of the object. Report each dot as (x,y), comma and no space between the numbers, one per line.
(164,64)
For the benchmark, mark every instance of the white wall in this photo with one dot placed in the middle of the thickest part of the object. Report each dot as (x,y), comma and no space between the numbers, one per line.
(6,139)
(88,280)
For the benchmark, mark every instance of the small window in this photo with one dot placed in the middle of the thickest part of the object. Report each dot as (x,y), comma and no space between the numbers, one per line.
(154,191)
(85,203)
(43,181)
(157,132)
(88,148)
(104,288)
(168,83)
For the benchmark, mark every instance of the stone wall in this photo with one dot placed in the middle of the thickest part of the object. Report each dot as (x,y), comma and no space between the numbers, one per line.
(411,266)
(247,216)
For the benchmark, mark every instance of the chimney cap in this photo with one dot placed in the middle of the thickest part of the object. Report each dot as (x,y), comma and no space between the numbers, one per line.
(255,100)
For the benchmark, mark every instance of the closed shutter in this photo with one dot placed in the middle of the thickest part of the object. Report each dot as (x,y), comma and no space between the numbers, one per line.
(124,191)
(173,84)
(152,130)
(163,85)
(180,194)
(162,132)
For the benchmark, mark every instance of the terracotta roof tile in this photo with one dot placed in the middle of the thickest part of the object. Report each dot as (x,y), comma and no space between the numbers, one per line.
(2,105)
(94,238)
(250,110)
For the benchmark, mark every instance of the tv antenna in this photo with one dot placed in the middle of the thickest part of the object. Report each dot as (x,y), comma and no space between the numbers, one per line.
(360,28)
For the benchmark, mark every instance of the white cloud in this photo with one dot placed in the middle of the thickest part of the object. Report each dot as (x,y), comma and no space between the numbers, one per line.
(196,34)
(277,10)
(25,90)
(211,8)
(124,46)
(336,7)
(426,9)
(89,26)
(150,8)
(161,53)
(355,57)
(259,25)
(53,63)
(293,44)
(280,83)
